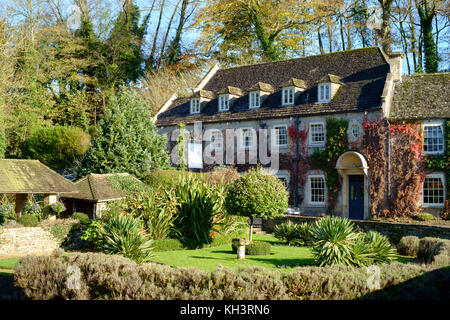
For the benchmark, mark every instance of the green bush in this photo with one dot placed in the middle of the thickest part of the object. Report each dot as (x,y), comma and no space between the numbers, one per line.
(434,250)
(293,233)
(93,234)
(123,235)
(257,195)
(57,147)
(28,220)
(372,248)
(82,217)
(169,178)
(113,277)
(167,245)
(425,217)
(199,206)
(258,248)
(333,240)
(408,246)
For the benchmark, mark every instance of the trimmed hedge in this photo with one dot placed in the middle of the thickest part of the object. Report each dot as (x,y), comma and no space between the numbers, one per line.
(28,220)
(258,248)
(82,217)
(408,246)
(113,277)
(167,245)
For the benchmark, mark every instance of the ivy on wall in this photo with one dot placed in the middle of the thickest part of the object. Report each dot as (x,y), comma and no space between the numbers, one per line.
(336,144)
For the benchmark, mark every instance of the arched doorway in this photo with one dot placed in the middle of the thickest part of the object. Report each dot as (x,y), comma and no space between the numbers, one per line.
(353,168)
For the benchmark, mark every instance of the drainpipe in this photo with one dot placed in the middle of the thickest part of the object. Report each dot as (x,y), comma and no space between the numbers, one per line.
(389,163)
(297,160)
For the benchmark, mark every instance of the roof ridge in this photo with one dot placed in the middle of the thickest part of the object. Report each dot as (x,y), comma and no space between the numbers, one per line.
(300,58)
(91,187)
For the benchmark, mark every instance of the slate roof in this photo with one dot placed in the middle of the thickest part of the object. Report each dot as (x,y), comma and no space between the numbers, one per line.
(363,73)
(421,96)
(97,187)
(31,176)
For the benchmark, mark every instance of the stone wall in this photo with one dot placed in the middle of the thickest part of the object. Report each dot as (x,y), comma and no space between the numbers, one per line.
(394,231)
(25,241)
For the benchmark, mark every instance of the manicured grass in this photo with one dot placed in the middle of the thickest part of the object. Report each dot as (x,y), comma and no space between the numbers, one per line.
(8,263)
(208,259)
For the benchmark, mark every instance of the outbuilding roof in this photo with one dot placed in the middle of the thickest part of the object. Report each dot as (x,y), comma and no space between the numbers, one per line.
(421,96)
(99,187)
(31,177)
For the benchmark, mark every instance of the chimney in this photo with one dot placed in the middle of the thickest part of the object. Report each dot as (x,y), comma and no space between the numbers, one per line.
(396,63)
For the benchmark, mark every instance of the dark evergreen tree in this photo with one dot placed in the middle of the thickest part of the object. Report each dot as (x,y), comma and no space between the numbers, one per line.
(125,140)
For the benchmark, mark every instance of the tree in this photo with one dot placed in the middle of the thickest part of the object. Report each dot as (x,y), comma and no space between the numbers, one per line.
(257,195)
(269,30)
(125,140)
(57,147)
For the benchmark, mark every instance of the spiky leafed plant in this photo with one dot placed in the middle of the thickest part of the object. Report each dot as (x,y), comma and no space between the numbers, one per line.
(287,232)
(199,204)
(123,235)
(372,248)
(333,239)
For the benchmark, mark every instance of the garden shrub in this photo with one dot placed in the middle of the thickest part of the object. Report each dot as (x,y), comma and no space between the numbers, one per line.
(167,245)
(335,241)
(82,217)
(434,250)
(425,217)
(408,246)
(93,234)
(252,196)
(258,248)
(169,178)
(123,235)
(113,277)
(199,205)
(222,176)
(286,232)
(28,220)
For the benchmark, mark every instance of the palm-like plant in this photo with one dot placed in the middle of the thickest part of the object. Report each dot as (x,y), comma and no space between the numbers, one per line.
(123,235)
(333,240)
(372,248)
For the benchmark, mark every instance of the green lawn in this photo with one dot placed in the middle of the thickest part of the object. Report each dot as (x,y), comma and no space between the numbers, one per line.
(9,263)
(208,259)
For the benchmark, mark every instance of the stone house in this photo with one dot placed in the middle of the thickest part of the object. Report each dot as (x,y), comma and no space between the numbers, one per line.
(276,114)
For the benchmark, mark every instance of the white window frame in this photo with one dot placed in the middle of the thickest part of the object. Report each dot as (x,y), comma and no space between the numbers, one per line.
(224,102)
(310,194)
(310,134)
(324,92)
(254,100)
(286,92)
(435,205)
(242,145)
(275,136)
(195,106)
(217,145)
(434,124)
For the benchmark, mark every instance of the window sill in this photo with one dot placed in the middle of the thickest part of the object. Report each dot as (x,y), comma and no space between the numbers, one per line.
(433,205)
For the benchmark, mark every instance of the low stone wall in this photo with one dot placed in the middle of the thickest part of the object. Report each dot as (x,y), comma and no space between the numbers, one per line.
(394,231)
(19,242)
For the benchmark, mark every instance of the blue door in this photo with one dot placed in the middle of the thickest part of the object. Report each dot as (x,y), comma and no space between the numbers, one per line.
(356,197)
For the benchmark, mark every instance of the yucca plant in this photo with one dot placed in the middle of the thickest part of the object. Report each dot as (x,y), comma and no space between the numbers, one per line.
(199,205)
(287,232)
(124,235)
(304,233)
(333,240)
(377,249)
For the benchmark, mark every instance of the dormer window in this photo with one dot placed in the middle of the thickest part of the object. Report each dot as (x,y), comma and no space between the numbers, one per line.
(195,105)
(287,96)
(324,93)
(224,102)
(255,99)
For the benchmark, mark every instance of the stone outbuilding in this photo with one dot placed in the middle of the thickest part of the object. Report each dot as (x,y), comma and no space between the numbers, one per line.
(26,177)
(95,191)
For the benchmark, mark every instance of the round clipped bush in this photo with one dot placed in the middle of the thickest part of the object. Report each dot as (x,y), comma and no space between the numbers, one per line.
(82,217)
(257,194)
(425,217)
(258,248)
(408,246)
(28,220)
